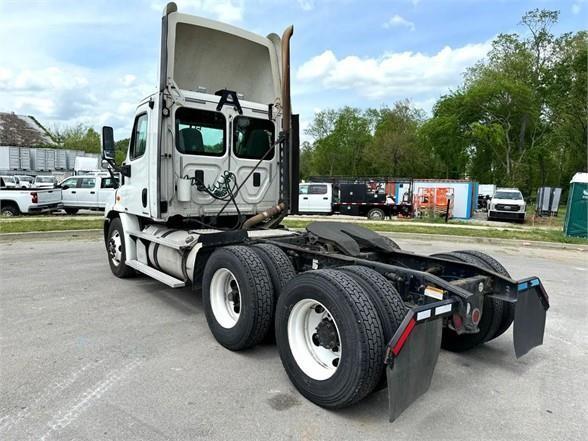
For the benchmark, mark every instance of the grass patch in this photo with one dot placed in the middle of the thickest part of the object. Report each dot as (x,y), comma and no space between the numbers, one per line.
(405,227)
(26,224)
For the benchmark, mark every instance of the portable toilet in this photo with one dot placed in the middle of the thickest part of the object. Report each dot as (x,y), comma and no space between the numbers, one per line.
(576,223)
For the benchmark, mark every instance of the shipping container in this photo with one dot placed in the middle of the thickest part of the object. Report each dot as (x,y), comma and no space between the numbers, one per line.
(38,159)
(50,159)
(25,158)
(60,159)
(9,158)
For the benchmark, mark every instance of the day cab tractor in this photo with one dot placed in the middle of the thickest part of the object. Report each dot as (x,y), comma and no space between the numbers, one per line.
(210,173)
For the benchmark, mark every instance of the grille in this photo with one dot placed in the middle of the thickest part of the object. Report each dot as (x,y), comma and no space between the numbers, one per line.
(503,207)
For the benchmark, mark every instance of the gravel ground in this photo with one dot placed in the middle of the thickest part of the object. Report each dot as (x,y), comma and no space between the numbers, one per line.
(86,356)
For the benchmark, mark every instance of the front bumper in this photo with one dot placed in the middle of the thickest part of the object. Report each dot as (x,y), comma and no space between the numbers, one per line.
(412,353)
(510,215)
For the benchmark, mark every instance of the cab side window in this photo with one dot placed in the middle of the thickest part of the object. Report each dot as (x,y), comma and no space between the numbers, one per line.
(303,189)
(70,183)
(88,183)
(108,183)
(317,189)
(139,137)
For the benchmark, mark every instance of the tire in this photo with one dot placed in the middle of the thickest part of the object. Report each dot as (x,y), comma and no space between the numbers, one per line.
(9,211)
(280,270)
(241,324)
(350,355)
(116,250)
(508,310)
(278,265)
(376,214)
(489,323)
(71,211)
(389,305)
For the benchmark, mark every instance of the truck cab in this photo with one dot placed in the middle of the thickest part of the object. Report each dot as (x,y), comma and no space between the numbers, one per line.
(205,143)
(89,192)
(507,204)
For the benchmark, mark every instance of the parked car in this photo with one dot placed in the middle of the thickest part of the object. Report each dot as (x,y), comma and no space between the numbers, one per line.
(45,182)
(90,192)
(24,181)
(15,201)
(8,182)
(507,204)
(315,198)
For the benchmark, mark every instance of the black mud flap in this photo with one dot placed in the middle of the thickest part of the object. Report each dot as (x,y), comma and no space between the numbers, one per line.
(412,355)
(530,312)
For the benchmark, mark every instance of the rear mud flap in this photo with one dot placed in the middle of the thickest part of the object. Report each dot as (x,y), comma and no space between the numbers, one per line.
(410,372)
(529,320)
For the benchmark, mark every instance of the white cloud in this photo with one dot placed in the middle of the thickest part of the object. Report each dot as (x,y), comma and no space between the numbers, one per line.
(229,11)
(306,5)
(397,74)
(398,21)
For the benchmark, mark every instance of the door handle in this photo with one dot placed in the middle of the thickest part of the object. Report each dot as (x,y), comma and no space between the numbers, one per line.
(305,198)
(73,192)
(93,192)
(326,198)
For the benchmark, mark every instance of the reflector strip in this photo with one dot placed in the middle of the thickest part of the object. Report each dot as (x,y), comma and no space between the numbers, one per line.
(442,309)
(523,286)
(434,293)
(398,346)
(424,314)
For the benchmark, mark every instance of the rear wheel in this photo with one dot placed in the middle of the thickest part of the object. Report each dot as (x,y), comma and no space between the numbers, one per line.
(376,214)
(389,305)
(115,246)
(329,337)
(489,323)
(9,210)
(238,297)
(508,310)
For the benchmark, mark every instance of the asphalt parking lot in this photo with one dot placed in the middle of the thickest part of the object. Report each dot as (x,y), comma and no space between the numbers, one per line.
(86,356)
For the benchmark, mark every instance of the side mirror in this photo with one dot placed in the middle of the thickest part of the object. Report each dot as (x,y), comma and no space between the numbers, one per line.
(107,143)
(63,187)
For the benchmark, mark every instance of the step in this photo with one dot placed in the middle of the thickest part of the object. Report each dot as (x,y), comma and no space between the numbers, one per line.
(156,274)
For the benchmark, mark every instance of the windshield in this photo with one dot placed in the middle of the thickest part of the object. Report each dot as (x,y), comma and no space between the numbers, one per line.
(25,178)
(514,195)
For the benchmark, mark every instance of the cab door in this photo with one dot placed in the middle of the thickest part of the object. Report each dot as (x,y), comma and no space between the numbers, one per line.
(134,194)
(69,192)
(87,195)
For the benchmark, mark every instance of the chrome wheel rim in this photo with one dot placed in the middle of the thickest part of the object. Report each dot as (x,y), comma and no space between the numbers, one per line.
(314,339)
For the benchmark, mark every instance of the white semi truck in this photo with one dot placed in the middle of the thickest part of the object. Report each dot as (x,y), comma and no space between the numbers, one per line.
(212,169)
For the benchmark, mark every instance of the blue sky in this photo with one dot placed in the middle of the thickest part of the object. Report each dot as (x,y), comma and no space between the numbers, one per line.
(69,62)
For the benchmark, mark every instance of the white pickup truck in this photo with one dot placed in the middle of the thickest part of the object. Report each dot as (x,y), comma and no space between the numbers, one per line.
(88,192)
(15,201)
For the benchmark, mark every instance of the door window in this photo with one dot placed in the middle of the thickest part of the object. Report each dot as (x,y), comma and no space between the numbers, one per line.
(303,189)
(139,137)
(252,138)
(88,183)
(108,183)
(200,132)
(317,189)
(70,183)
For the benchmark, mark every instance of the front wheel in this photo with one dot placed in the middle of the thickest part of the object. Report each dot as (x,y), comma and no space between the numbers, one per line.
(330,338)
(115,246)
(376,214)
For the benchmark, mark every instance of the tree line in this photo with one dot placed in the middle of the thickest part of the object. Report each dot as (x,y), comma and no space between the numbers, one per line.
(519,118)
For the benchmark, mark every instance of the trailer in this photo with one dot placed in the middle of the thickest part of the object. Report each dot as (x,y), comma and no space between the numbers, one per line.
(210,173)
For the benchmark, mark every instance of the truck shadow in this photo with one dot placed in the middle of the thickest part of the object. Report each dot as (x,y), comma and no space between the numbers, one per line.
(184,300)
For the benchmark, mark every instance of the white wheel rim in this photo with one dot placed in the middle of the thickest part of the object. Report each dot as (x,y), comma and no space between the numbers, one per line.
(316,361)
(115,248)
(225,298)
